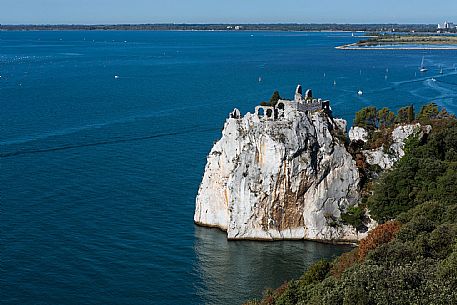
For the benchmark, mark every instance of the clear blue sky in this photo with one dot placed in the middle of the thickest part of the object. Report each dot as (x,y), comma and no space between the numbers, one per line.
(225,11)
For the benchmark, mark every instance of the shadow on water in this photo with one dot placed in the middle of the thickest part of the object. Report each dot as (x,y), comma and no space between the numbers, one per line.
(234,271)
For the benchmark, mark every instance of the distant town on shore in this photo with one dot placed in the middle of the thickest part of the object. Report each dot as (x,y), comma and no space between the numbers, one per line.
(446,27)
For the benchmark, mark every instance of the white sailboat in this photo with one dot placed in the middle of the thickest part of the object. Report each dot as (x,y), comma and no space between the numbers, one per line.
(423,68)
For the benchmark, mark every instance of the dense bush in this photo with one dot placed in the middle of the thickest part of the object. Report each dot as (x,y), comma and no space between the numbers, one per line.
(354,216)
(428,112)
(427,172)
(412,260)
(367,118)
(405,115)
(382,234)
(344,262)
(380,138)
(386,118)
(370,118)
(273,100)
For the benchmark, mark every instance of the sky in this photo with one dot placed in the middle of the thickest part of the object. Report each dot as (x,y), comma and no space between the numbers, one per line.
(225,11)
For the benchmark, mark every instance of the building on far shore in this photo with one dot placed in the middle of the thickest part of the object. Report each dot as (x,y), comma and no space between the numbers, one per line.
(446,26)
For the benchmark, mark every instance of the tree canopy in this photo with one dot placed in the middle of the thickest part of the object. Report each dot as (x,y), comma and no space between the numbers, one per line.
(273,99)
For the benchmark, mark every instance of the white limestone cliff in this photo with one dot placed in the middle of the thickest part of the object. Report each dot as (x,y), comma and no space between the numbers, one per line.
(358,134)
(387,157)
(279,176)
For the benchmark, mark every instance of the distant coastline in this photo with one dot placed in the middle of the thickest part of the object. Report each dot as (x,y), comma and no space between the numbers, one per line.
(405,42)
(425,28)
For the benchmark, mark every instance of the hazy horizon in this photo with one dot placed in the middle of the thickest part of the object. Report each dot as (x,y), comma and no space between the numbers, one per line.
(55,12)
(212,23)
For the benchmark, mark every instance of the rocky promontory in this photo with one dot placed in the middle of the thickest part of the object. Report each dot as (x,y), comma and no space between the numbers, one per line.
(279,175)
(285,172)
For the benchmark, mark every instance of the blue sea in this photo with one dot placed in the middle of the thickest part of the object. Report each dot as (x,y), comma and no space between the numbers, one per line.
(103,143)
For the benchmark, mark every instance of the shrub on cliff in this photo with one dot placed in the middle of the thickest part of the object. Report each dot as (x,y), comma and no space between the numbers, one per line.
(370,118)
(428,112)
(382,234)
(432,114)
(344,262)
(405,115)
(317,272)
(367,118)
(354,216)
(428,171)
(386,118)
(273,100)
(380,138)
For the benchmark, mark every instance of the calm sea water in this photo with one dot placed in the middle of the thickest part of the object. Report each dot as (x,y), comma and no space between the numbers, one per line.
(99,173)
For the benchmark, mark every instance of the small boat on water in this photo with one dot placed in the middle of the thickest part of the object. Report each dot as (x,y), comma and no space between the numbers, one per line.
(441,70)
(360,92)
(422,67)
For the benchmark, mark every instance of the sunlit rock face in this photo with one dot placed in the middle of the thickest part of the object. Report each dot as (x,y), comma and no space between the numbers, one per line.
(279,176)
(358,134)
(386,157)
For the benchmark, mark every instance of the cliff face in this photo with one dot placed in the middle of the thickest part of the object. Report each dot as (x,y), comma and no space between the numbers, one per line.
(383,157)
(279,177)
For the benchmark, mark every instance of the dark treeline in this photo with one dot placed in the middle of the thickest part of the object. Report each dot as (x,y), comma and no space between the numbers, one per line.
(233,27)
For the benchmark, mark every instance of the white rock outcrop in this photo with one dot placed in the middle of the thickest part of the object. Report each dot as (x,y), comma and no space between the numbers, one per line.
(358,134)
(281,176)
(387,157)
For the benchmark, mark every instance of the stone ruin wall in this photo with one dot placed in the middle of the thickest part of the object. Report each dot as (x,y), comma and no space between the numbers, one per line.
(303,104)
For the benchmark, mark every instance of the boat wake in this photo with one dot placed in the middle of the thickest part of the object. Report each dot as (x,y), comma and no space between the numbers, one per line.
(106,142)
(95,126)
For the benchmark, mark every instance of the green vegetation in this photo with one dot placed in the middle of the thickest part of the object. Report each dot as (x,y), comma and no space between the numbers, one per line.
(354,216)
(273,100)
(406,39)
(367,118)
(370,118)
(425,173)
(409,260)
(405,115)
(380,124)
(431,112)
(386,118)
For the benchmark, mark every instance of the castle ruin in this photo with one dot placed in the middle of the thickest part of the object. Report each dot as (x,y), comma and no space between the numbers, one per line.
(306,104)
